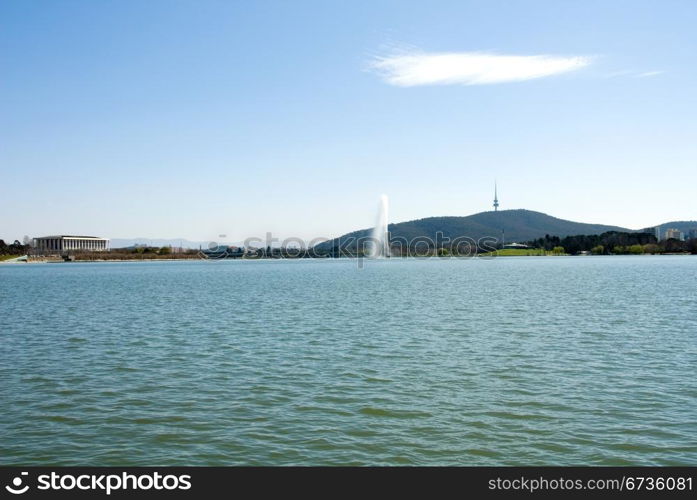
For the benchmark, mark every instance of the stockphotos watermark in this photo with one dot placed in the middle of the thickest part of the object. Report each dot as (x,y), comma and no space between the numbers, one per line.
(356,247)
(99,483)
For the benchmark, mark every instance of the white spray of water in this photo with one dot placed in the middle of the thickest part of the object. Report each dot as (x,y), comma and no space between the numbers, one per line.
(381,241)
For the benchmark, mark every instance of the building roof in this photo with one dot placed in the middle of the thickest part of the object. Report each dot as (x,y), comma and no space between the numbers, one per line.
(70,236)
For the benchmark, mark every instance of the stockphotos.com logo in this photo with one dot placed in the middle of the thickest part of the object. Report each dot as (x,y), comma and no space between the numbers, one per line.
(18,487)
(101,482)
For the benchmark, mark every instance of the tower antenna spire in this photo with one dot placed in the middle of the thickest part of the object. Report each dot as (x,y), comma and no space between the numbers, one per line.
(496,198)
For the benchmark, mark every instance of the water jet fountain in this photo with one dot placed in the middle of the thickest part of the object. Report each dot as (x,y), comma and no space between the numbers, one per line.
(380,237)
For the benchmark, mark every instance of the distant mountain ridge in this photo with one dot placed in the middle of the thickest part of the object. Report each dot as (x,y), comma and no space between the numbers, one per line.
(157,242)
(517,225)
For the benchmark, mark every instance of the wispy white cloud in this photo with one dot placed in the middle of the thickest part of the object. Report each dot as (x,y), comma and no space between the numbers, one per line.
(413,68)
(649,73)
(633,74)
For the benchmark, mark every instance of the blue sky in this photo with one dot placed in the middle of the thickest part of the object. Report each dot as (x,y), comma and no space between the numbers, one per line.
(192,119)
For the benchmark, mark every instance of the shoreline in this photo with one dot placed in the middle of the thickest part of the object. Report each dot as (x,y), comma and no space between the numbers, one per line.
(441,257)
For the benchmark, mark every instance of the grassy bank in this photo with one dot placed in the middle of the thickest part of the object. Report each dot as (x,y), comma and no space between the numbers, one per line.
(521,252)
(8,257)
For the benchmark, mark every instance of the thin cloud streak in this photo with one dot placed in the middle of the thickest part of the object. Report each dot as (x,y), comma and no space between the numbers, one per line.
(649,74)
(634,74)
(470,68)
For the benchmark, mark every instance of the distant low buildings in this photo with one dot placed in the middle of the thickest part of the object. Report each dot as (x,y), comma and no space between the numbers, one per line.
(674,234)
(518,246)
(64,243)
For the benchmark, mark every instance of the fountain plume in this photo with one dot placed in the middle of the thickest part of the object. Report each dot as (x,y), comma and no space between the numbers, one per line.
(380,237)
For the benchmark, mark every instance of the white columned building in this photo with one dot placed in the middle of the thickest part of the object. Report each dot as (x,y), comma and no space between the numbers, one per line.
(65,243)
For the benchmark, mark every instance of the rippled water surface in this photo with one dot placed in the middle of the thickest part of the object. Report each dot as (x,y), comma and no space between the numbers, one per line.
(508,361)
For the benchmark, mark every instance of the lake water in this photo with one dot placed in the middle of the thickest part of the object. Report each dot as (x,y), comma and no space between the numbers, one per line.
(506,361)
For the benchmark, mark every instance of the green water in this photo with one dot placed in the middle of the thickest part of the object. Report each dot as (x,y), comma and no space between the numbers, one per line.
(507,361)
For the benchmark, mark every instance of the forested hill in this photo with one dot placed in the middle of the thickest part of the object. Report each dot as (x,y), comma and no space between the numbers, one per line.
(519,225)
